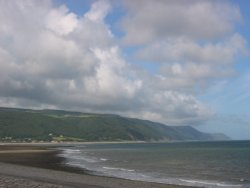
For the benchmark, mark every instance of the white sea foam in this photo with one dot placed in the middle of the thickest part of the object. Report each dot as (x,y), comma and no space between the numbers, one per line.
(103,159)
(114,167)
(72,151)
(133,175)
(210,184)
(121,169)
(75,154)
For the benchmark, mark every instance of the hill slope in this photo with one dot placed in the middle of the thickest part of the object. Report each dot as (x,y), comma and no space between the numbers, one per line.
(48,125)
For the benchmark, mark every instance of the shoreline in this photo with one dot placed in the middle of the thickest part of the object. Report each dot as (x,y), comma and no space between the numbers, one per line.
(65,144)
(35,162)
(63,179)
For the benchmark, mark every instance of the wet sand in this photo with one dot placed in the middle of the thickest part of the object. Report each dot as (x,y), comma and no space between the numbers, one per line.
(40,166)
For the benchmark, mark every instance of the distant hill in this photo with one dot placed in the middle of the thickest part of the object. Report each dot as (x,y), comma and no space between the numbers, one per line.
(58,125)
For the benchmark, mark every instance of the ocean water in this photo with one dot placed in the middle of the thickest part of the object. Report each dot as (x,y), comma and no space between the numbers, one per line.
(204,164)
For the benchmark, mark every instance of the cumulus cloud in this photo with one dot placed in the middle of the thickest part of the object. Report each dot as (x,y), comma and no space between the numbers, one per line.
(69,62)
(175,107)
(185,63)
(183,49)
(99,11)
(61,21)
(52,58)
(110,76)
(157,20)
(193,42)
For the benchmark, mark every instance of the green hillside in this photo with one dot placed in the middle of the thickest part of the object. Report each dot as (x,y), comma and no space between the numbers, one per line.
(56,125)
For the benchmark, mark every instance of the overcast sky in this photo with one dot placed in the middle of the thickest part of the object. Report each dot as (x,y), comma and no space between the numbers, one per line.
(177,62)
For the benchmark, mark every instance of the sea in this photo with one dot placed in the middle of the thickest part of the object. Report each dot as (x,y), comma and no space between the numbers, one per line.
(202,164)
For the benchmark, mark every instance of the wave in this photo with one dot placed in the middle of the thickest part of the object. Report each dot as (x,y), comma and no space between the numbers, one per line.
(121,169)
(71,151)
(103,159)
(75,154)
(103,166)
(210,184)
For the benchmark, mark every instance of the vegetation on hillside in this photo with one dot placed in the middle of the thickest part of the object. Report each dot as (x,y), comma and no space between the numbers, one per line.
(55,125)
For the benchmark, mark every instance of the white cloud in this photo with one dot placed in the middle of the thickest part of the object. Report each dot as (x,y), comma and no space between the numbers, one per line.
(161,19)
(70,62)
(110,80)
(174,108)
(186,64)
(194,42)
(61,21)
(186,50)
(50,57)
(98,11)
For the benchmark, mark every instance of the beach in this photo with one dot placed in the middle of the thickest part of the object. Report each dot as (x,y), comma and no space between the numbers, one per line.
(31,165)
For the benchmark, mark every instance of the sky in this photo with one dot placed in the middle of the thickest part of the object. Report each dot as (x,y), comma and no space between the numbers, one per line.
(176,62)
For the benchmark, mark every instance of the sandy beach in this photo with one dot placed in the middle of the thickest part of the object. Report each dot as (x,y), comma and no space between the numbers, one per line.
(39,166)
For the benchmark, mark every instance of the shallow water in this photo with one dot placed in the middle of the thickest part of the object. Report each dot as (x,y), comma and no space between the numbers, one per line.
(207,164)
